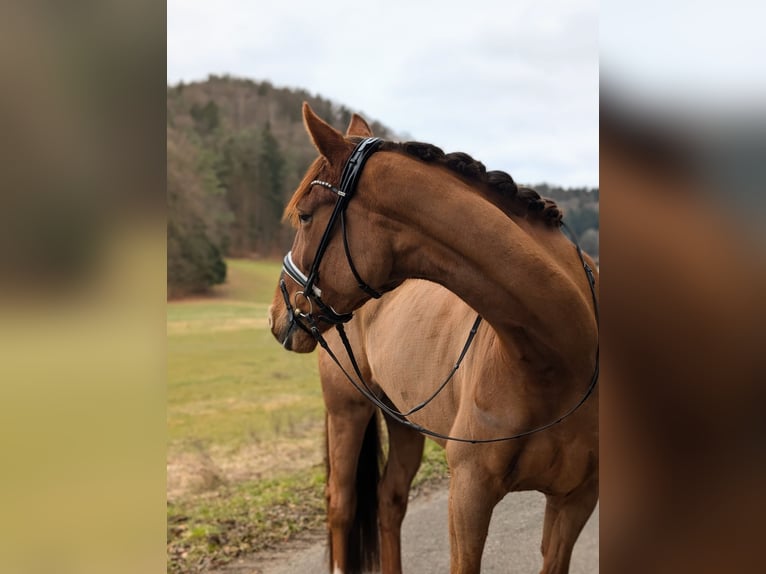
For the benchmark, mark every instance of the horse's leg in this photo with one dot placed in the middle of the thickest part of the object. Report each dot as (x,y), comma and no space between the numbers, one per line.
(551,512)
(345,437)
(473,494)
(405,451)
(565,517)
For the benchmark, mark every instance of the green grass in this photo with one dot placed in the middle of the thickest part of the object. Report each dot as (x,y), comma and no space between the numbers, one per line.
(252,281)
(232,387)
(434,465)
(229,382)
(179,312)
(233,393)
(245,518)
(235,396)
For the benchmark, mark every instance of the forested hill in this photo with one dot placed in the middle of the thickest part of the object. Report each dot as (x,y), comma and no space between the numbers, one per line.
(581,212)
(237,149)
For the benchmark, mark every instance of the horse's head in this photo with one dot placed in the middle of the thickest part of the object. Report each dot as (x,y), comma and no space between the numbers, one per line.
(337,262)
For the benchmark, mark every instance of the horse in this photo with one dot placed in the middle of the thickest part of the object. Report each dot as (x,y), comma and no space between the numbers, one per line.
(510,263)
(388,335)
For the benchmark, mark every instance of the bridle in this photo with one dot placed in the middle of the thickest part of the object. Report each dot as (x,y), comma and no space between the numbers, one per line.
(352,171)
(309,321)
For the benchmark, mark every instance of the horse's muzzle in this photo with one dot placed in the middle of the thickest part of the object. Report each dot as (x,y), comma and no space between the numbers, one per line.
(285,330)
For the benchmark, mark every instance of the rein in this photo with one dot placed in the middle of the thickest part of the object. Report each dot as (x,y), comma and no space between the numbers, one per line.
(365,390)
(308,323)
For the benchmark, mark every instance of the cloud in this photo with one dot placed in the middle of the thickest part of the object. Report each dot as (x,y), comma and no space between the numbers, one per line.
(515,85)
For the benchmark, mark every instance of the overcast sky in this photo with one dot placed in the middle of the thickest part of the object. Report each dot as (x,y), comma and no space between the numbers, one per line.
(515,84)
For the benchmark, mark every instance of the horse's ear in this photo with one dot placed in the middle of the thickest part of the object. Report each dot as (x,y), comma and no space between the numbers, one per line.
(328,141)
(358,127)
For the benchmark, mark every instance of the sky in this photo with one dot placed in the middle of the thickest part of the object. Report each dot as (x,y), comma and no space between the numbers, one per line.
(514,84)
(697,58)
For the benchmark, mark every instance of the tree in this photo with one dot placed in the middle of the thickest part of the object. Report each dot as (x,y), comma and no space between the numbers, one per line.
(206,118)
(589,242)
(271,187)
(237,170)
(197,218)
(580,220)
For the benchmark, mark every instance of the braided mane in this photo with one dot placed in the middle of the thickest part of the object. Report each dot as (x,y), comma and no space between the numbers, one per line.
(516,199)
(519,200)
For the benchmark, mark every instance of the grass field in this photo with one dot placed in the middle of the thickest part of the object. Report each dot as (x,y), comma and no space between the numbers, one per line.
(245,425)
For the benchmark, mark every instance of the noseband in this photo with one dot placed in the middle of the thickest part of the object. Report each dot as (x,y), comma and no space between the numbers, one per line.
(352,171)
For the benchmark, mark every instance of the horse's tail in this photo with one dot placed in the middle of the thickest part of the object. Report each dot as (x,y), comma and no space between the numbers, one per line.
(364,538)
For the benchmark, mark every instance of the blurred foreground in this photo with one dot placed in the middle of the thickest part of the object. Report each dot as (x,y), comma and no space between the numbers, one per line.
(82,287)
(683,262)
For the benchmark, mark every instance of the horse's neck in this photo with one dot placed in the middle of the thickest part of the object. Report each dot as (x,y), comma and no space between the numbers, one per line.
(448,233)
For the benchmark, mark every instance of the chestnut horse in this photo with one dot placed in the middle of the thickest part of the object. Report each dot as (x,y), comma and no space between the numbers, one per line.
(420,213)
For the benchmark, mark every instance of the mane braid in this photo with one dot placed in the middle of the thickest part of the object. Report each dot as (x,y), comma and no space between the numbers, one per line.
(519,200)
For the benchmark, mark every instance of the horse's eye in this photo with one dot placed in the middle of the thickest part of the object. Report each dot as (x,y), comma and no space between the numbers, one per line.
(304,217)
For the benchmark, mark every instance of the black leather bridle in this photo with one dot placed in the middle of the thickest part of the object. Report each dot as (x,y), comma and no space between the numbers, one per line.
(309,321)
(352,171)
